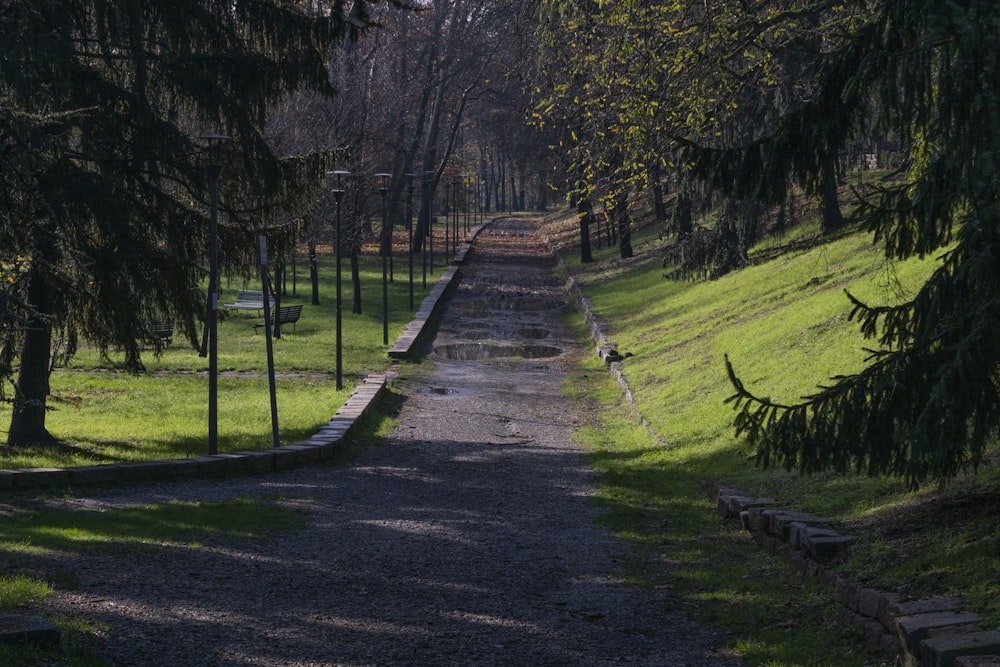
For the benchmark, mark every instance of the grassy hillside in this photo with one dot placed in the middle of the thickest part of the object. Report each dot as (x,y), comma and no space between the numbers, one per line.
(783,323)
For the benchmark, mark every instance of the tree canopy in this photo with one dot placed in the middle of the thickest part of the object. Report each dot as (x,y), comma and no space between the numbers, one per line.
(743,99)
(927,405)
(103,220)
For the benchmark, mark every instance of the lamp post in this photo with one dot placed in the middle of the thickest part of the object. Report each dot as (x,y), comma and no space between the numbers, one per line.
(486,190)
(454,194)
(428,186)
(214,169)
(447,218)
(409,227)
(385,241)
(338,193)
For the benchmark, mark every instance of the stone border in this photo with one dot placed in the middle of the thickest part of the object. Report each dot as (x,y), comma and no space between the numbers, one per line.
(404,345)
(322,445)
(912,633)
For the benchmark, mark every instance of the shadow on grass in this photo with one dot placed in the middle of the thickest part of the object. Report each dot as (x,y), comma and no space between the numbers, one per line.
(74,530)
(666,511)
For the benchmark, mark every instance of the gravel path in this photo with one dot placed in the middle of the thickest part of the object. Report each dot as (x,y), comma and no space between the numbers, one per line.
(464,538)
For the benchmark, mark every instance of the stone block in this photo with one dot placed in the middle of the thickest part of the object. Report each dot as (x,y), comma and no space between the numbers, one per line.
(945,651)
(869,603)
(210,465)
(826,547)
(914,629)
(739,504)
(777,521)
(236,462)
(978,661)
(145,470)
(186,467)
(888,608)
(99,474)
(259,461)
(800,533)
(33,478)
(913,607)
(18,629)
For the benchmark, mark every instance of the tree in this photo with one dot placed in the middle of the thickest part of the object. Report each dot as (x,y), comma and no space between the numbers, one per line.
(101,107)
(928,403)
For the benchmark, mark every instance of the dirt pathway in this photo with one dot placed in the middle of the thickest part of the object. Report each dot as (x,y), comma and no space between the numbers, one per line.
(465,538)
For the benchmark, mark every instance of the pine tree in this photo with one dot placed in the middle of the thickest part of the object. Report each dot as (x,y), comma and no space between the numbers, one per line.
(927,405)
(102,174)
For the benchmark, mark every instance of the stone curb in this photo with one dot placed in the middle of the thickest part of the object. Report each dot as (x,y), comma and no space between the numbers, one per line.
(912,633)
(322,445)
(404,345)
(326,442)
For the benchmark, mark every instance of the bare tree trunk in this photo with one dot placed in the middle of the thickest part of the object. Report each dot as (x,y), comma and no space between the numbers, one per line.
(313,271)
(27,424)
(833,218)
(586,215)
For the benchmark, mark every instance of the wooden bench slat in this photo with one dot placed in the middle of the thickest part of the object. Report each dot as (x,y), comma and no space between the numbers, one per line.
(285,315)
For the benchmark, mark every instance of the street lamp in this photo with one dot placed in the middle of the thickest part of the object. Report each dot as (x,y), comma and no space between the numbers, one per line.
(429,232)
(382,183)
(447,218)
(338,193)
(214,169)
(409,226)
(454,194)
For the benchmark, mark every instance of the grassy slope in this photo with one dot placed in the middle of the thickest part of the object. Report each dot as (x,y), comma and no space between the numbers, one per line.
(783,323)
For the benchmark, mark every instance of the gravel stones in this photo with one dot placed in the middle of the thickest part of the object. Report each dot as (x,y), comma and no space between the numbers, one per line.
(464,538)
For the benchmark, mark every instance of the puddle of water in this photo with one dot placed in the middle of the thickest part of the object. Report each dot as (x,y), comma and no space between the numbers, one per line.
(518,303)
(476,335)
(480,351)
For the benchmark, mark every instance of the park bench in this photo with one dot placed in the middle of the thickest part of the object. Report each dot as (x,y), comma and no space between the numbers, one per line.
(249,299)
(285,315)
(160,330)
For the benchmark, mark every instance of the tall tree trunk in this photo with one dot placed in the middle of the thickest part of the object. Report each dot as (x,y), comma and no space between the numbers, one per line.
(683,215)
(27,423)
(624,225)
(833,219)
(279,268)
(586,215)
(314,271)
(659,208)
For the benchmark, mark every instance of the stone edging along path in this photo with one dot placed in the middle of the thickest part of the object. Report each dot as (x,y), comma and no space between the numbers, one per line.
(322,445)
(912,633)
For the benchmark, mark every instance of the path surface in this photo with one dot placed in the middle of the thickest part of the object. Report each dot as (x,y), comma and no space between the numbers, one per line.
(465,538)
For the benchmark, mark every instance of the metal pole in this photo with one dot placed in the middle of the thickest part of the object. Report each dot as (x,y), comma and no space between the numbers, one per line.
(271,386)
(430,218)
(409,226)
(385,239)
(213,313)
(338,193)
(447,219)
(214,169)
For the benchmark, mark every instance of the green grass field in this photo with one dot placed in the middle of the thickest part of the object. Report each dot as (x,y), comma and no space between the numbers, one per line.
(783,323)
(103,415)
